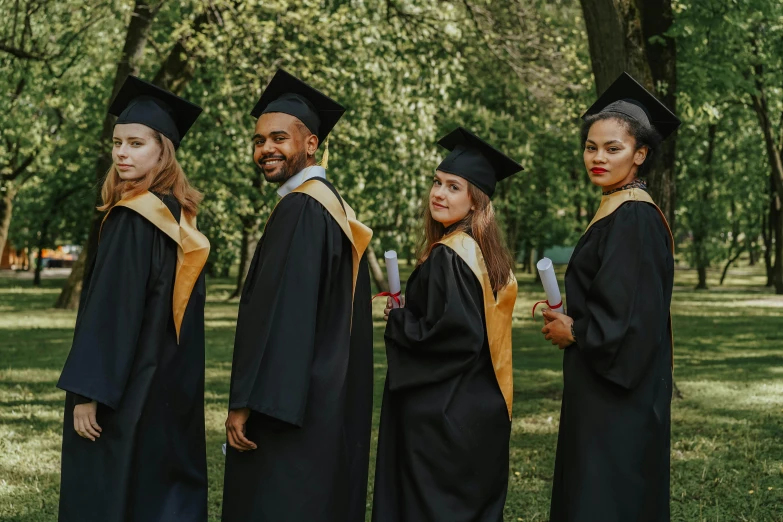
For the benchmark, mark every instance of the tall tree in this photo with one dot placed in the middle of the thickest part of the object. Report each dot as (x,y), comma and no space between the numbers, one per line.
(132,51)
(41,43)
(735,47)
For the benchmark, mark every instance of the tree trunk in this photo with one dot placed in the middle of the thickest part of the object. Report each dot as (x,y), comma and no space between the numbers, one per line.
(777,270)
(702,271)
(69,296)
(768,218)
(750,246)
(630,35)
(539,254)
(512,236)
(38,265)
(42,234)
(701,225)
(6,210)
(775,156)
(527,266)
(376,272)
(735,244)
(247,250)
(132,52)
(731,260)
(661,50)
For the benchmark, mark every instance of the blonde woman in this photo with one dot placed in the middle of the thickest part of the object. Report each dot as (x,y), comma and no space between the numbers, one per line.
(133,440)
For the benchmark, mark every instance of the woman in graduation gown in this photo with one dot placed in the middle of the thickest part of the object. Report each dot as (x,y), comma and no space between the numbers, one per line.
(133,440)
(445,422)
(612,462)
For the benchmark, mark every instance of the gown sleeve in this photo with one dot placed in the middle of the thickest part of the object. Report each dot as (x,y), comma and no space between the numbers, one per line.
(625,317)
(425,346)
(110,319)
(275,339)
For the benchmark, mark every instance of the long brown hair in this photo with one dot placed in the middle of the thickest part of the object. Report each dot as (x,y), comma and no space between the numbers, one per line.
(482,225)
(166,178)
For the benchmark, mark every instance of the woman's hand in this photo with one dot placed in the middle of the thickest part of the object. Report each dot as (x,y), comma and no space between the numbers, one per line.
(558,329)
(389,306)
(85,422)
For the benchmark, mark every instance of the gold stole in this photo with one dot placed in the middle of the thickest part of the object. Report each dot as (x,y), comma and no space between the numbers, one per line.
(358,234)
(497,312)
(611,203)
(192,246)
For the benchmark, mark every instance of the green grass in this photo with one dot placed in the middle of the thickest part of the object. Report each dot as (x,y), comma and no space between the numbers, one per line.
(727,439)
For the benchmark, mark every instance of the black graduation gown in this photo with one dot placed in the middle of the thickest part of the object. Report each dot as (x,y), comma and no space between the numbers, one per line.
(612,462)
(149,464)
(305,375)
(444,434)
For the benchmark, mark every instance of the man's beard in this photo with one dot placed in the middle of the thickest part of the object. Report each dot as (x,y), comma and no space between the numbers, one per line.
(291,165)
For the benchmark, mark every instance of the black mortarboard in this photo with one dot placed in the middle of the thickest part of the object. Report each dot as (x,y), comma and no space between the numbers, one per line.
(476,160)
(141,102)
(290,95)
(628,97)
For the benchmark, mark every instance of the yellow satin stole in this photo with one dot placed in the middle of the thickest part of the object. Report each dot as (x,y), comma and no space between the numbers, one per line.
(497,311)
(192,246)
(357,233)
(611,203)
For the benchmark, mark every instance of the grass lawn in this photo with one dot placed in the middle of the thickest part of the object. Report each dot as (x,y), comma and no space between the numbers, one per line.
(727,439)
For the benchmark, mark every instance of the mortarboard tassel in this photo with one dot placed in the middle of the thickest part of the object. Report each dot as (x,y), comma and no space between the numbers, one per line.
(325,157)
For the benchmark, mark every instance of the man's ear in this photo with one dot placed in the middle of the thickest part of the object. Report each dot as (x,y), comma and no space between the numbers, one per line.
(311,144)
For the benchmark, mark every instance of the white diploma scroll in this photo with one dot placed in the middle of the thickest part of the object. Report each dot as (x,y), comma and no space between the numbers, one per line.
(548,278)
(393,276)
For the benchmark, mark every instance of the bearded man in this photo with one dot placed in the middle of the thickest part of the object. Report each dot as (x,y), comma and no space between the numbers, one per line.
(300,405)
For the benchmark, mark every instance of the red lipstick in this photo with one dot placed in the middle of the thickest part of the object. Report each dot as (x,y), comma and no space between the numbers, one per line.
(598,170)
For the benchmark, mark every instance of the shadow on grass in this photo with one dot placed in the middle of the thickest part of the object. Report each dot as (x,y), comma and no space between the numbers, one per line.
(725,439)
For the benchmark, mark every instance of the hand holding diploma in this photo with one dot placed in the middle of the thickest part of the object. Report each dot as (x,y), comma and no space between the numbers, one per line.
(546,271)
(394,300)
(559,327)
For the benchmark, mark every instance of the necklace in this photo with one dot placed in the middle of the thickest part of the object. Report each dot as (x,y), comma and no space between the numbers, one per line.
(637,183)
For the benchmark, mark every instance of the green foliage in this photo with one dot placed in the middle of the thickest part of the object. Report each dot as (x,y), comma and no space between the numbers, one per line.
(516,73)
(54,94)
(407,71)
(729,53)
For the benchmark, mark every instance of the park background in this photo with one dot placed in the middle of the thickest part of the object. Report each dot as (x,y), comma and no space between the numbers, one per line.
(517,72)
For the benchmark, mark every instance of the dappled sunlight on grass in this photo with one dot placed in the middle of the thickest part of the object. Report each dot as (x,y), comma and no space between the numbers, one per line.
(537,424)
(25,321)
(726,430)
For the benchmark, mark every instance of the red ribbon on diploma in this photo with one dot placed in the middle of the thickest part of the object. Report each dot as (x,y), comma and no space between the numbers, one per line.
(558,305)
(396,296)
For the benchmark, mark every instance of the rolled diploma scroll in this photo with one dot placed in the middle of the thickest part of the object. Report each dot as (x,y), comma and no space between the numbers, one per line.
(393,275)
(548,278)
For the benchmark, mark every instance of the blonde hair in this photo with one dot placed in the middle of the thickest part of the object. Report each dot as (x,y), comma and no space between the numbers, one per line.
(483,227)
(166,178)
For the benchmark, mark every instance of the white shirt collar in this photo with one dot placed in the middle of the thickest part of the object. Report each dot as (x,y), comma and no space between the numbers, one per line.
(295,181)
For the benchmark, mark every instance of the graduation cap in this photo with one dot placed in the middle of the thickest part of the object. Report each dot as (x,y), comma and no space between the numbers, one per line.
(288,94)
(141,102)
(476,160)
(627,96)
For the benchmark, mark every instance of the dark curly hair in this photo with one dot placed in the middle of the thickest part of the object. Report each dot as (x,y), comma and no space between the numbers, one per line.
(642,134)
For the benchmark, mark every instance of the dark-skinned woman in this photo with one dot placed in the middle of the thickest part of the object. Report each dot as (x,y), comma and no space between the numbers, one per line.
(612,462)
